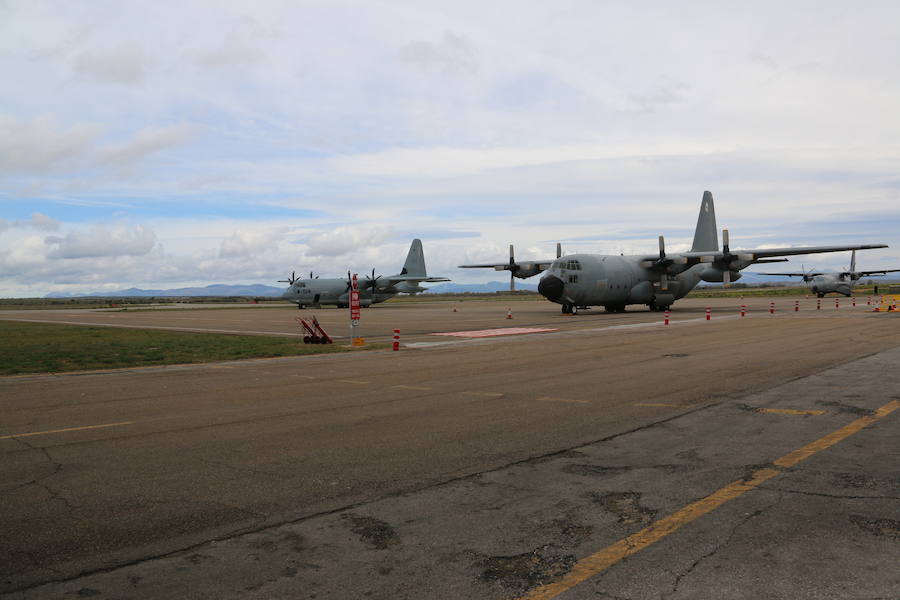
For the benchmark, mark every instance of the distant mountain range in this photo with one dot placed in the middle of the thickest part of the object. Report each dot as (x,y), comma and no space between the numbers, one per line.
(256,289)
(268,291)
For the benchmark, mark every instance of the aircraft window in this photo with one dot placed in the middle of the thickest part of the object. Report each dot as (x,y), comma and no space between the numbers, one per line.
(573,278)
(301,285)
(573,265)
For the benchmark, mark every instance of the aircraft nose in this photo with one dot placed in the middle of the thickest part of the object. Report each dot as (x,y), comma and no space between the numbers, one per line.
(551,287)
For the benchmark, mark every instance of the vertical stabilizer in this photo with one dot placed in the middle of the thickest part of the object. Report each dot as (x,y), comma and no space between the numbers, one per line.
(705,236)
(415,260)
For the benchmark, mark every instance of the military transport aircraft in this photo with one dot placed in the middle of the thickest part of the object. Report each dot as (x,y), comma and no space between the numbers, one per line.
(320,291)
(614,282)
(840,282)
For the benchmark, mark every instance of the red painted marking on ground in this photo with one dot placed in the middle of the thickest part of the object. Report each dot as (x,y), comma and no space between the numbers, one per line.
(495,332)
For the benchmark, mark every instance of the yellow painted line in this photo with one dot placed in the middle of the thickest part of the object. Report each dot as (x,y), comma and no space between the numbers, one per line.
(354,381)
(411,387)
(19,435)
(790,411)
(602,560)
(570,400)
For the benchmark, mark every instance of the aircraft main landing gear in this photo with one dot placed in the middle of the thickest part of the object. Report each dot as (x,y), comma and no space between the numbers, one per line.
(569,309)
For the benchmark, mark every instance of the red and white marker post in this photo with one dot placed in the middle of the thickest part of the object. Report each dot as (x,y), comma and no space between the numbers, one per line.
(796,306)
(743,309)
(837,302)
(818,304)
(853,301)
(396,340)
(771,308)
(355,339)
(708,313)
(666,320)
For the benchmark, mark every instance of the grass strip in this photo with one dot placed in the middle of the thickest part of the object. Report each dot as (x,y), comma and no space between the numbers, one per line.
(52,348)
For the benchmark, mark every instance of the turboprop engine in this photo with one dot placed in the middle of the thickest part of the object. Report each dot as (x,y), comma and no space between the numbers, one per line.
(714,275)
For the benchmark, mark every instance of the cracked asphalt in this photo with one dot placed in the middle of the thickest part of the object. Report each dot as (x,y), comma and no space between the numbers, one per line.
(469,470)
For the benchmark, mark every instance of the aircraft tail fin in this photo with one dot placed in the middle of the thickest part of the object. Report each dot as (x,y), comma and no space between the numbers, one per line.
(415,261)
(706,235)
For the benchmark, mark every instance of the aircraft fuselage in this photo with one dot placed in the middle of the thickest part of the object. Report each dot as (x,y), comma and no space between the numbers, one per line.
(319,292)
(613,281)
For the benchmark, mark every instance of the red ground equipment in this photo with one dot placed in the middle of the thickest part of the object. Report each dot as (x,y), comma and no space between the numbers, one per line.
(313,333)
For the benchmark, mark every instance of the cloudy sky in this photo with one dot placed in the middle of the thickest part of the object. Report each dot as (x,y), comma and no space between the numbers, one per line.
(161,144)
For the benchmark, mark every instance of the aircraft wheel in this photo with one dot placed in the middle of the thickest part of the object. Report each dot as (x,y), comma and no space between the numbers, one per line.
(301,306)
(610,309)
(566,309)
(820,295)
(574,310)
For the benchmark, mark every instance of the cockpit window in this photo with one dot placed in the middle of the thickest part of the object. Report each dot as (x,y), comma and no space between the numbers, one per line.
(573,265)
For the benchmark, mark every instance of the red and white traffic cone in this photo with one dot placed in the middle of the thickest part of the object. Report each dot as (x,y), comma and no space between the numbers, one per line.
(396,340)
(666,320)
(853,301)
(708,311)
(454,308)
(818,304)
(509,313)
(796,306)
(743,309)
(837,302)
(771,308)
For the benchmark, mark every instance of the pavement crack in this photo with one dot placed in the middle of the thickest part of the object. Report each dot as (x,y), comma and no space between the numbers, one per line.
(727,541)
(40,481)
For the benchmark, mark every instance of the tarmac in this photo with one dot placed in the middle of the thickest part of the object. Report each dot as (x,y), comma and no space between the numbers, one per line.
(614,457)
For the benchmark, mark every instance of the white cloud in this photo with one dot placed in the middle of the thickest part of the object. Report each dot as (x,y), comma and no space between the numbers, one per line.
(40,145)
(124,65)
(145,142)
(102,240)
(347,240)
(452,54)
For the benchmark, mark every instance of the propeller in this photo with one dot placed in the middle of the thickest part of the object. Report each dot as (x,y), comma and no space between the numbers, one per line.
(373,282)
(513,267)
(290,280)
(662,264)
(558,250)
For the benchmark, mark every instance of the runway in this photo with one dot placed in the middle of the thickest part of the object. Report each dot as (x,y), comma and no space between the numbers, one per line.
(464,468)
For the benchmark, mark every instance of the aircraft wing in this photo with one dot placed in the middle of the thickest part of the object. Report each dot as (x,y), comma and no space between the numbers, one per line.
(879,272)
(757,253)
(792,274)
(416,279)
(541,265)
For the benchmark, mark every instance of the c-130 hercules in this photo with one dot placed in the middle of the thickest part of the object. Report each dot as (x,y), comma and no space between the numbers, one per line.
(841,281)
(614,282)
(336,290)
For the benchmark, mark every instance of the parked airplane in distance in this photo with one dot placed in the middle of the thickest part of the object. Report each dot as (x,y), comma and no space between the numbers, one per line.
(841,281)
(614,281)
(320,291)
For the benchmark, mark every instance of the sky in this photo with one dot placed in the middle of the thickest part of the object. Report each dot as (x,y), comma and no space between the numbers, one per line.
(171,143)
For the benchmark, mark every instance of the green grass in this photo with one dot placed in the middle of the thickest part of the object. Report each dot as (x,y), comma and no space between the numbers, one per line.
(51,348)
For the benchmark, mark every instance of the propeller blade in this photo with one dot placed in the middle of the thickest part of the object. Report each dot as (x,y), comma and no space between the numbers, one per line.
(512,280)
(726,249)
(512,256)
(558,250)
(662,247)
(726,278)
(663,282)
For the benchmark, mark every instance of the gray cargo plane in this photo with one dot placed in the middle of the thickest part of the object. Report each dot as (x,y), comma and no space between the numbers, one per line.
(318,292)
(614,282)
(841,282)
